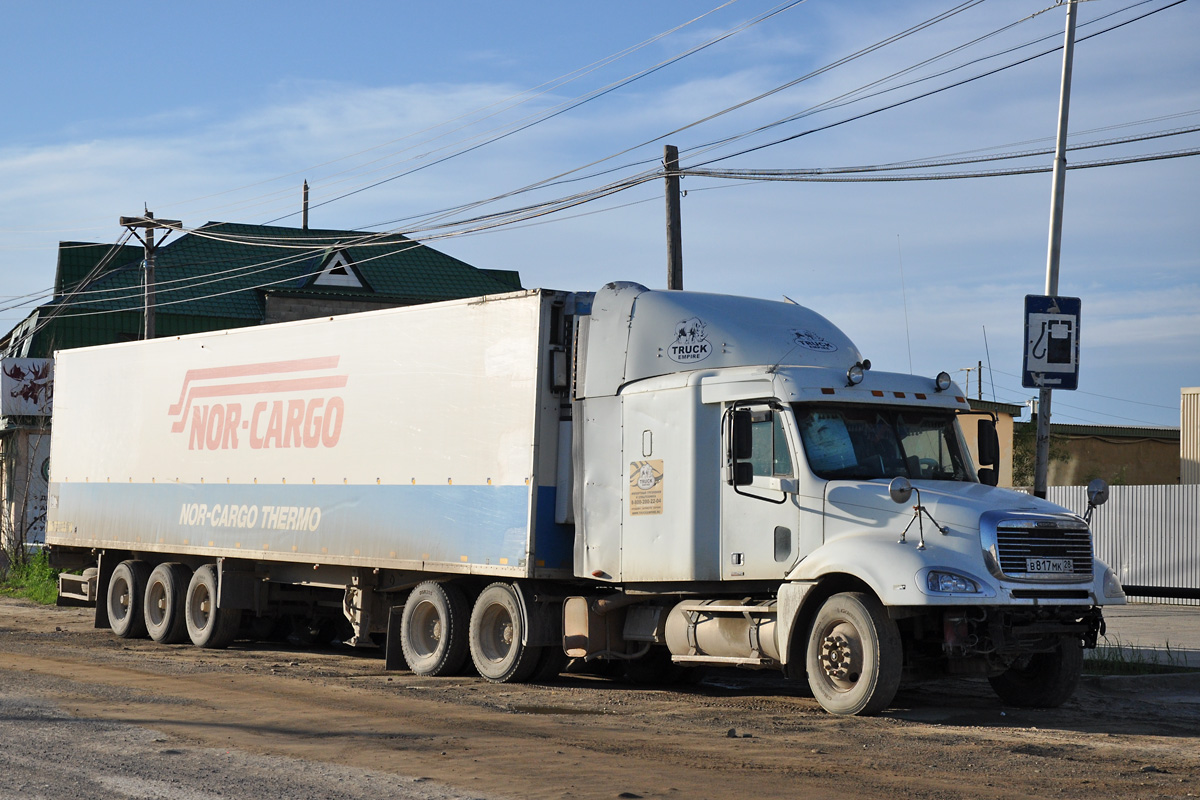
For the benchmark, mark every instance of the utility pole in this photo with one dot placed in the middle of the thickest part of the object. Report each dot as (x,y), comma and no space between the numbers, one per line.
(1058,189)
(304,207)
(968,370)
(674,221)
(148,223)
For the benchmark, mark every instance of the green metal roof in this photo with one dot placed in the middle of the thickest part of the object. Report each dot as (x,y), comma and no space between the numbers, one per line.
(76,260)
(1000,408)
(219,275)
(224,269)
(1110,431)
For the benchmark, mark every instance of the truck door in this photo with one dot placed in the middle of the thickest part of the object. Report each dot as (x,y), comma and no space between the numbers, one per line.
(760,520)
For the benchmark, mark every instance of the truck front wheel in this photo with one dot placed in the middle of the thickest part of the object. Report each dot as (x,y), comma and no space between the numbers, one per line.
(1042,680)
(126,588)
(433,629)
(854,655)
(498,633)
(207,625)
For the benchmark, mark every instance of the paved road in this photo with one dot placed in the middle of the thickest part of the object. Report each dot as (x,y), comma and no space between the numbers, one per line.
(1168,633)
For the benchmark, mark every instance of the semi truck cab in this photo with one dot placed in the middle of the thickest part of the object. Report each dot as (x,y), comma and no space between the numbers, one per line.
(772,501)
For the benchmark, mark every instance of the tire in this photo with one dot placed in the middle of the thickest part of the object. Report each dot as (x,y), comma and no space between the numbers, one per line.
(1041,680)
(551,663)
(126,588)
(498,628)
(433,629)
(208,625)
(854,655)
(165,596)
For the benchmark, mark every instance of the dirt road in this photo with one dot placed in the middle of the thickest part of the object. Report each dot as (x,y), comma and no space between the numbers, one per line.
(86,714)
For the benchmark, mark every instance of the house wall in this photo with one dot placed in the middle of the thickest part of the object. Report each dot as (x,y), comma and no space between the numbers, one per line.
(1189,434)
(1120,461)
(286,309)
(1004,430)
(24,468)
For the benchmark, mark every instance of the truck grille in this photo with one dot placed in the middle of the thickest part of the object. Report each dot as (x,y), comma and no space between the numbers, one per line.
(1038,548)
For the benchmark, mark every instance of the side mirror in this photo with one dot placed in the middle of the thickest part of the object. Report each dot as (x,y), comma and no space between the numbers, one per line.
(1097,493)
(741,448)
(743,436)
(989,444)
(900,490)
(989,476)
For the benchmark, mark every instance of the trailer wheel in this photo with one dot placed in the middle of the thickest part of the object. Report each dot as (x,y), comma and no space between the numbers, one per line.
(854,655)
(1042,680)
(207,625)
(126,588)
(498,627)
(433,629)
(166,593)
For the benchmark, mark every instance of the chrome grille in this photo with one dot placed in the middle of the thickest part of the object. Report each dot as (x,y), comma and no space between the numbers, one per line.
(1011,543)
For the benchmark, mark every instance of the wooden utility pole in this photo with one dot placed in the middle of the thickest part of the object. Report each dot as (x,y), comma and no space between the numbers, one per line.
(674,221)
(304,208)
(148,223)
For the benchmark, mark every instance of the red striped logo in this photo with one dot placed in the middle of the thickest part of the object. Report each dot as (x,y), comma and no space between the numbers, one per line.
(210,405)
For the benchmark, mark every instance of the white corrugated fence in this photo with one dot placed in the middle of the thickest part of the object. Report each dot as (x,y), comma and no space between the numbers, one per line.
(1149,535)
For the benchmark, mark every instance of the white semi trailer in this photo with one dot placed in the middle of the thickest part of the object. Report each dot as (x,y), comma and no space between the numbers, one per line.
(659,478)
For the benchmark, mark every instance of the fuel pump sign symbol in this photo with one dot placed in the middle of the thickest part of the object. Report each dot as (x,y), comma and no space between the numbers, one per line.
(1051,342)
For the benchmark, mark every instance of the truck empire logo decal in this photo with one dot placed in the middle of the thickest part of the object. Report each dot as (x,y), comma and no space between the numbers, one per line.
(812,340)
(690,342)
(271,423)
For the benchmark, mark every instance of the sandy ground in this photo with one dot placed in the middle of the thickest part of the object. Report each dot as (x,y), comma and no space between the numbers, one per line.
(84,714)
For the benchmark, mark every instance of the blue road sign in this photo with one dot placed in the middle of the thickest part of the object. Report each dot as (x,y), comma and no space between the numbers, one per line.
(1051,342)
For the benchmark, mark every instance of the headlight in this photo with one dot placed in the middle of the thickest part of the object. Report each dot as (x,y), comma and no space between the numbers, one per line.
(1112,586)
(950,583)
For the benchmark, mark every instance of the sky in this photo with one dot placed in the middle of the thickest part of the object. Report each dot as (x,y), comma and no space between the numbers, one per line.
(420,117)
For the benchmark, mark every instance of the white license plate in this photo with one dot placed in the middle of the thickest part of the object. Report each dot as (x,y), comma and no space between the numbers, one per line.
(1049,565)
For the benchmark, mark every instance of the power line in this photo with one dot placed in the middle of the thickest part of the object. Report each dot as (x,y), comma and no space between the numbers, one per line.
(928,93)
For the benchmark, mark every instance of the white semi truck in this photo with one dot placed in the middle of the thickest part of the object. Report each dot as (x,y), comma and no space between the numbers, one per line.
(658,478)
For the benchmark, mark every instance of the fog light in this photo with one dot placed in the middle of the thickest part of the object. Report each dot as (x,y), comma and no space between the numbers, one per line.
(1112,586)
(942,382)
(855,374)
(950,583)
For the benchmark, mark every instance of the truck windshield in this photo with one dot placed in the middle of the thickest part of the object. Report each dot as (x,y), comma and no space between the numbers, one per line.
(881,442)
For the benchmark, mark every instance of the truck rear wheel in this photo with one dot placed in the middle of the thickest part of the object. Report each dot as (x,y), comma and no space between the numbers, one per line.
(433,629)
(166,594)
(126,588)
(1042,680)
(498,631)
(854,655)
(207,625)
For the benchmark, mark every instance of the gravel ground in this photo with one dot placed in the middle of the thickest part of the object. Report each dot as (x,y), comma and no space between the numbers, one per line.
(84,714)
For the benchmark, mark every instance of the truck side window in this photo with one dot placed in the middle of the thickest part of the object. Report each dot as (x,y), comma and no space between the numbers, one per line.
(771,457)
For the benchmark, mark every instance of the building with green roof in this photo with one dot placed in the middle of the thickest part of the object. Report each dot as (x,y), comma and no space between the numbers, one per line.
(228,275)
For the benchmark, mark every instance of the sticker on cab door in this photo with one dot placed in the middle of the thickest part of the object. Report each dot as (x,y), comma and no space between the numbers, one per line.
(645,487)
(691,344)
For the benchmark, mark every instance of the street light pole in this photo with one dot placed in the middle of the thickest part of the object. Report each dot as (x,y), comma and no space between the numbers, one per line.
(1058,191)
